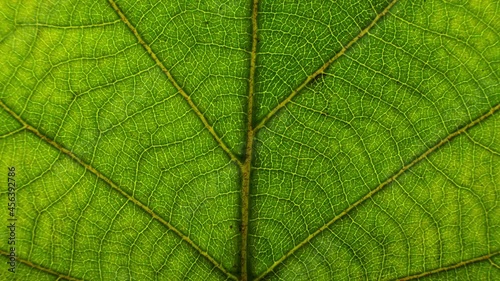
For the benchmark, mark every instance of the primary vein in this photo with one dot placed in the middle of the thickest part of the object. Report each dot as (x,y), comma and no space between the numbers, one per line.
(379,188)
(174,83)
(117,188)
(323,68)
(246,168)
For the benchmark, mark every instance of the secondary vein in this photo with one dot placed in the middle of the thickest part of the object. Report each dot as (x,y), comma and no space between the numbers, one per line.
(323,68)
(379,188)
(44,269)
(174,83)
(117,188)
(453,266)
(246,168)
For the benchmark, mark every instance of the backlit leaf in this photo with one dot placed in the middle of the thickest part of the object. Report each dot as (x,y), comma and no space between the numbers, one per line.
(264,140)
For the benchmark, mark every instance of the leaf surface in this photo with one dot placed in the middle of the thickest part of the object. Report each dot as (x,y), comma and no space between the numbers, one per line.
(251,140)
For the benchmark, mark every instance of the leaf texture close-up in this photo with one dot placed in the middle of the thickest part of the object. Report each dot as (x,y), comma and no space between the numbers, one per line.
(250,140)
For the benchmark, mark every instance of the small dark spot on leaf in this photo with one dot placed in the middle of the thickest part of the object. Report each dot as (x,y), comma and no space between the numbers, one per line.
(318,77)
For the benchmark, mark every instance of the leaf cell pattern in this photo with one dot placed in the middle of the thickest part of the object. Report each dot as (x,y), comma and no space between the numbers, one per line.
(252,140)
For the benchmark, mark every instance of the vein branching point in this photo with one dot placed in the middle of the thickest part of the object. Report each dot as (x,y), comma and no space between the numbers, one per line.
(188,99)
(114,186)
(372,193)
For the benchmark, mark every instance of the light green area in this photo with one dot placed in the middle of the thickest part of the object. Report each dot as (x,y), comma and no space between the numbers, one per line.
(119,179)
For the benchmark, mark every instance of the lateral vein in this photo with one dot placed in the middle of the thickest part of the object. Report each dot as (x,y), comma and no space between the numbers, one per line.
(174,82)
(117,188)
(379,188)
(323,68)
(453,266)
(46,270)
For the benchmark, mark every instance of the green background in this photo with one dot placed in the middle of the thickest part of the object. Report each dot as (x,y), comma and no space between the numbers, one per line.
(113,163)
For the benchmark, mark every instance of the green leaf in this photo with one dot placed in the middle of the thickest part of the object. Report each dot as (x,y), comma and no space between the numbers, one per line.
(271,140)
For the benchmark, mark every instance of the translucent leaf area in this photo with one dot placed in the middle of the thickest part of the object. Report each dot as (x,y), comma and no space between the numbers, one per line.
(250,140)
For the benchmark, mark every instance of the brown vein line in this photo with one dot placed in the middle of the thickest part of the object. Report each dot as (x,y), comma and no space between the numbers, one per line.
(454,266)
(174,82)
(46,270)
(247,166)
(117,188)
(380,187)
(324,66)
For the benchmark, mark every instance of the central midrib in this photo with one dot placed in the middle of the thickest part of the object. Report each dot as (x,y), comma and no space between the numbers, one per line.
(246,168)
